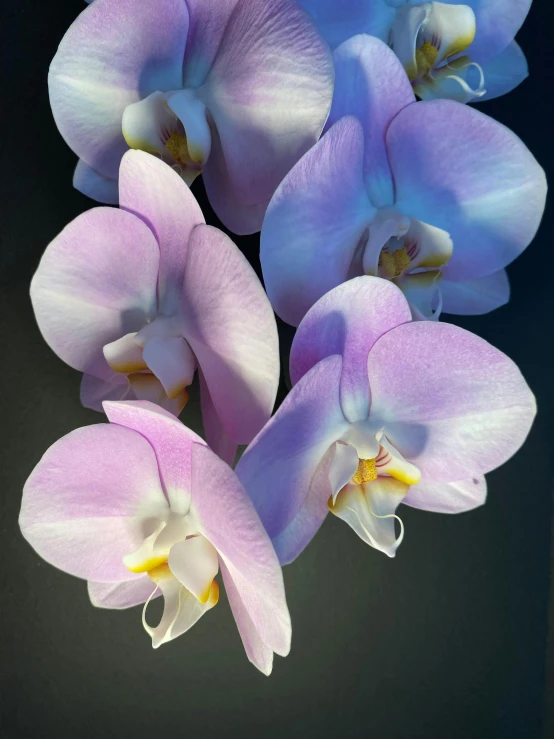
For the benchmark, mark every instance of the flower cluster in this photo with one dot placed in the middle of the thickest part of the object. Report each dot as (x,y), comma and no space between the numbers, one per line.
(378,213)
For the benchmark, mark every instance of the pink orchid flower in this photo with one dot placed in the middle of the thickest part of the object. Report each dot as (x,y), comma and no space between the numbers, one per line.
(142,507)
(383,411)
(141,297)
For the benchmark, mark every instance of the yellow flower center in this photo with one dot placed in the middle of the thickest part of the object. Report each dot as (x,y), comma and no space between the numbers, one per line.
(366,471)
(426,56)
(177,146)
(394,263)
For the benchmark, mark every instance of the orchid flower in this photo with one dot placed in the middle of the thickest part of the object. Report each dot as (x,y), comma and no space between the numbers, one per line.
(461,49)
(383,411)
(139,298)
(409,192)
(235,89)
(141,507)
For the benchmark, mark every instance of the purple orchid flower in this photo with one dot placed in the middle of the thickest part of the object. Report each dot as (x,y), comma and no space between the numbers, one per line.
(383,411)
(462,49)
(140,297)
(414,193)
(235,89)
(136,508)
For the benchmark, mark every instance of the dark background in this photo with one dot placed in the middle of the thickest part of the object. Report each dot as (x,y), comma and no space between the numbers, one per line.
(449,640)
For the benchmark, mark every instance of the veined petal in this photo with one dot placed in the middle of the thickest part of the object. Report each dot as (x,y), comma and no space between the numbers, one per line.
(115,53)
(475,297)
(371,85)
(370,510)
(269,93)
(95,283)
(94,185)
(497,22)
(315,222)
(458,170)
(338,21)
(172,361)
(218,440)
(448,497)
(194,563)
(348,320)
(181,609)
(229,521)
(172,443)
(278,467)
(83,501)
(122,594)
(504,72)
(256,650)
(231,329)
(448,401)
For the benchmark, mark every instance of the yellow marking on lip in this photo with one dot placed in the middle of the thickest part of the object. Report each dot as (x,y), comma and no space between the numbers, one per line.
(408,477)
(149,565)
(461,43)
(128,367)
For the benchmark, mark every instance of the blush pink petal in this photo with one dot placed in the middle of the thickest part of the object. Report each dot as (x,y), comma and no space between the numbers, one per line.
(348,320)
(229,521)
(122,594)
(156,194)
(231,329)
(449,401)
(80,500)
(218,440)
(95,283)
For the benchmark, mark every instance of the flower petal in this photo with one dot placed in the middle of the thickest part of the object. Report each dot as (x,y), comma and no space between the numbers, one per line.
(231,329)
(448,497)
(218,440)
(82,501)
(122,594)
(194,563)
(170,358)
(315,221)
(475,297)
(95,390)
(94,185)
(504,72)
(348,320)
(338,21)
(95,283)
(463,172)
(115,53)
(157,195)
(228,520)
(256,650)
(497,23)
(371,85)
(278,467)
(172,443)
(269,93)
(448,401)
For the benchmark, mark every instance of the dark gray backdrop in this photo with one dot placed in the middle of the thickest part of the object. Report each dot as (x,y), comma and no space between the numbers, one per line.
(448,640)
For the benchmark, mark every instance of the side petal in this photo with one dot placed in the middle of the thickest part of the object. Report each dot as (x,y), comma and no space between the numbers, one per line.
(171,440)
(256,650)
(122,594)
(497,23)
(371,85)
(81,502)
(278,467)
(314,223)
(172,361)
(95,283)
(451,403)
(231,329)
(94,390)
(475,297)
(115,53)
(463,172)
(229,521)
(339,21)
(504,72)
(94,185)
(348,320)
(448,497)
(158,196)
(218,440)
(269,93)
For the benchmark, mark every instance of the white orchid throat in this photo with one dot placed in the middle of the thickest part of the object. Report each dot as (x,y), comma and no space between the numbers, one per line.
(411,254)
(368,500)
(429,39)
(173,126)
(182,565)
